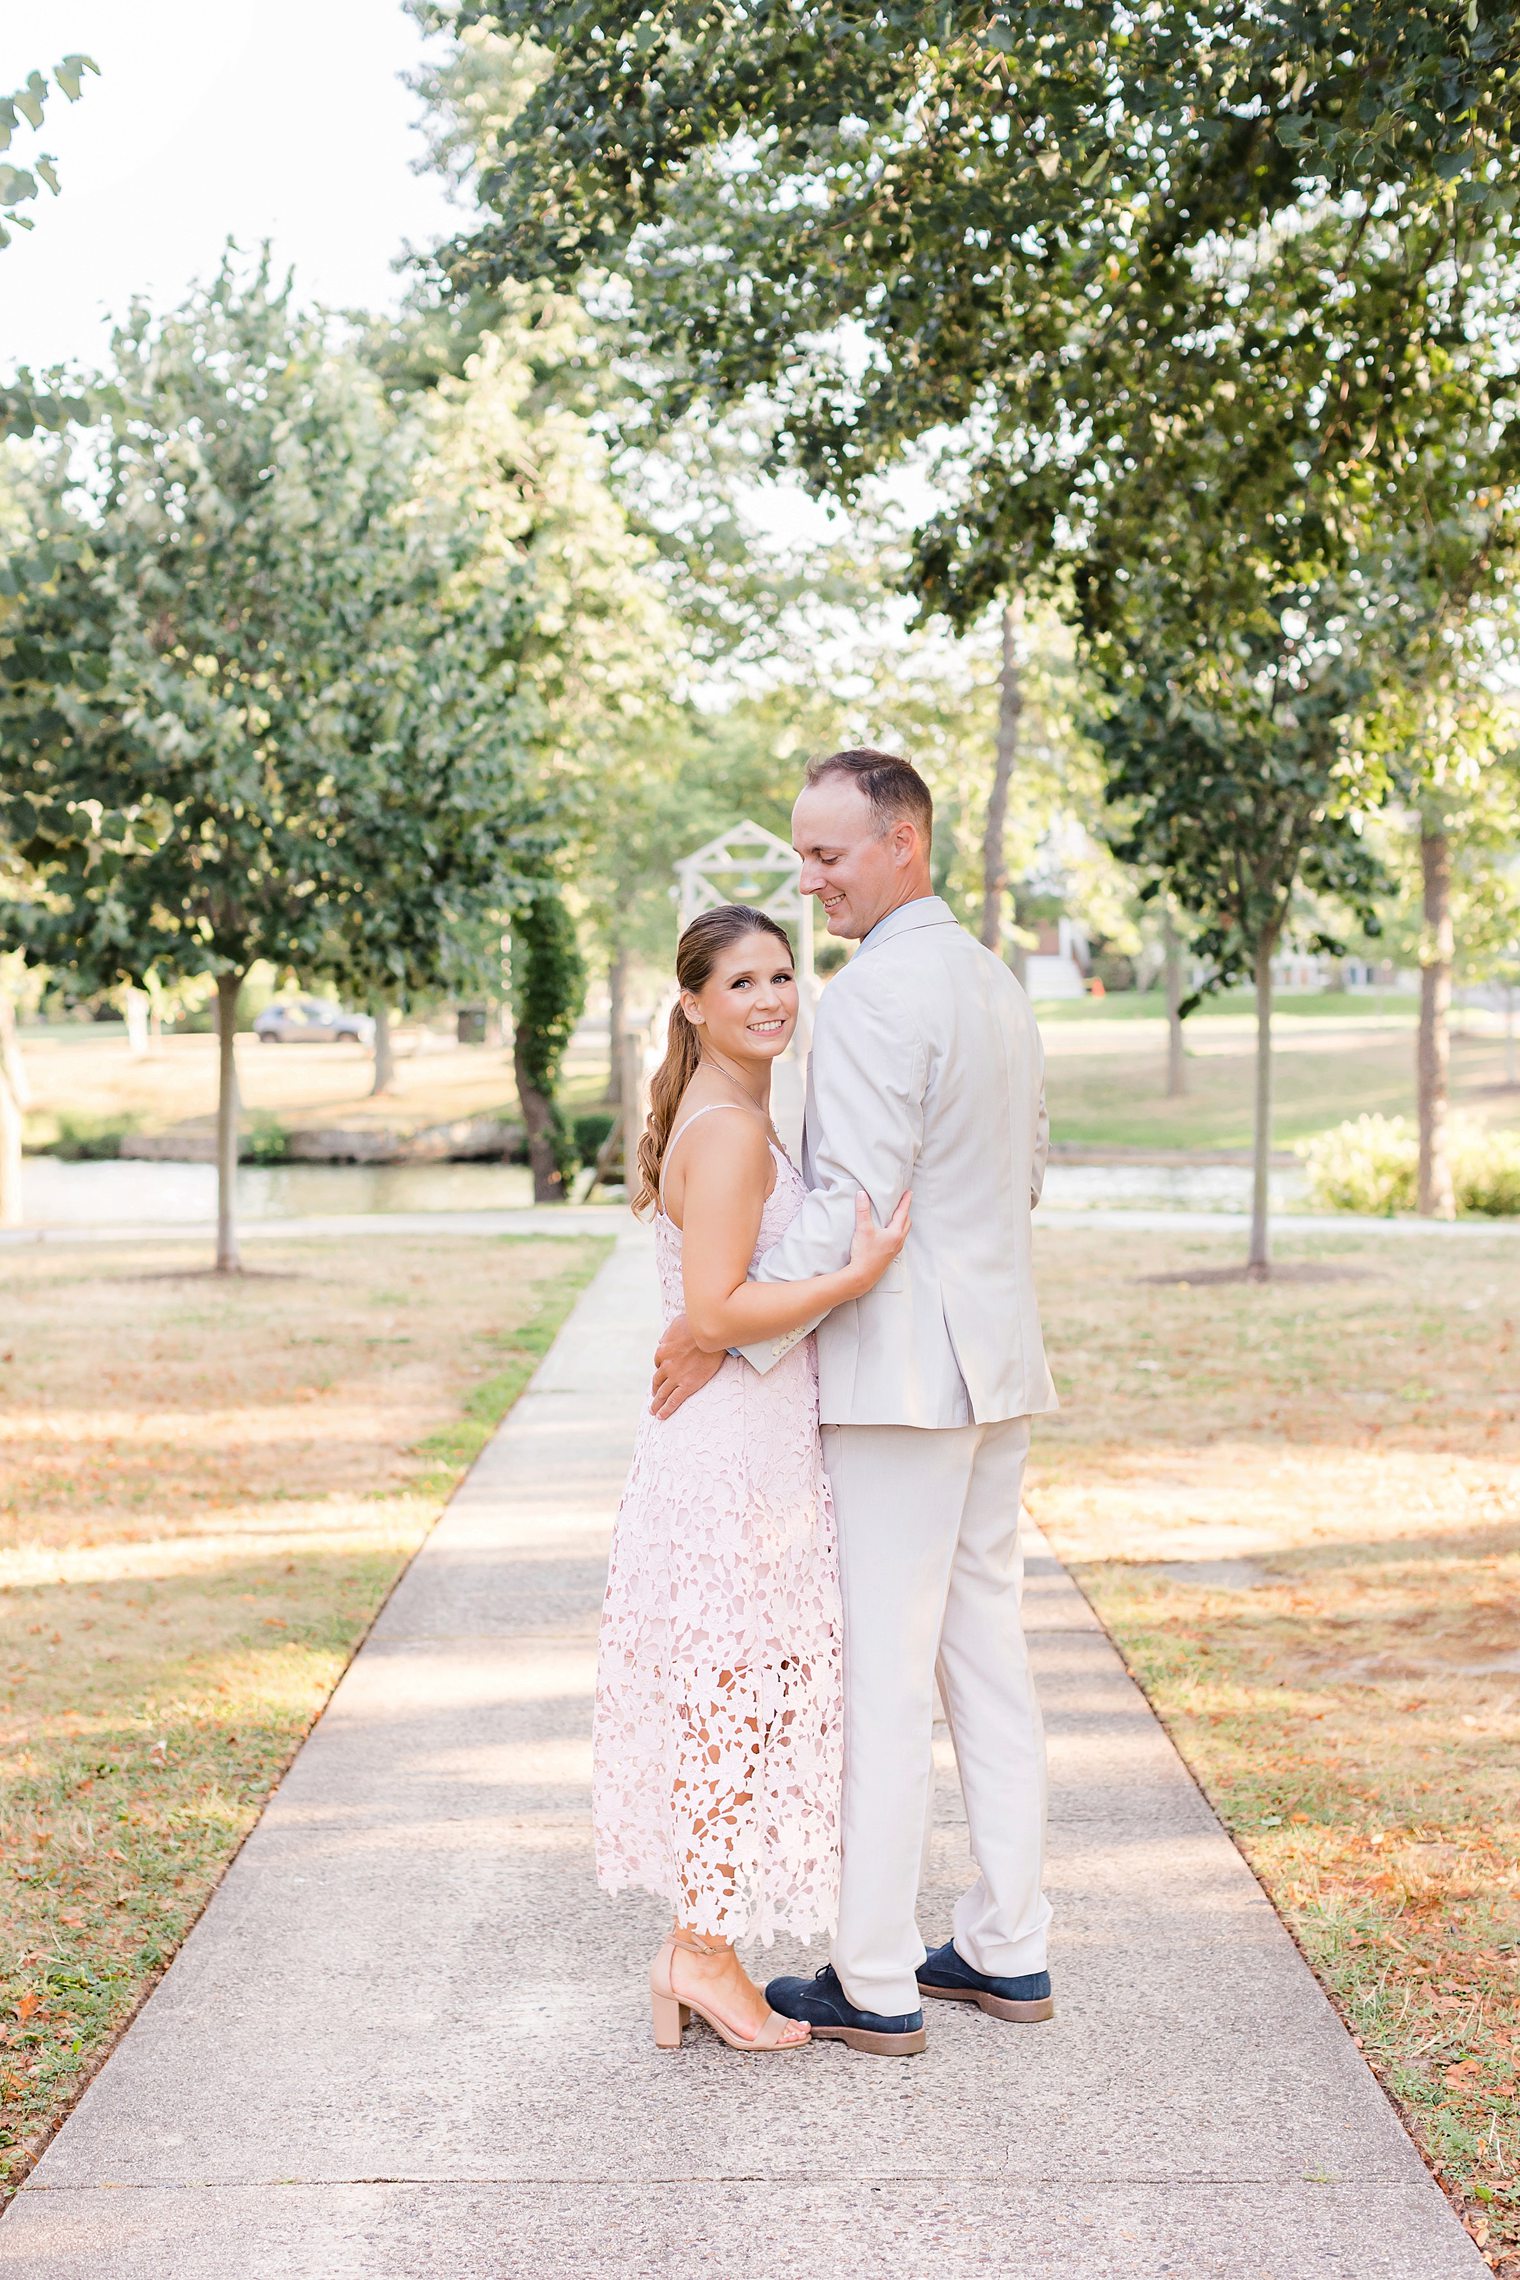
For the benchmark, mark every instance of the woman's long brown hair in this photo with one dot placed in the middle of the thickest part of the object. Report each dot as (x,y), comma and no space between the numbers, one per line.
(696,955)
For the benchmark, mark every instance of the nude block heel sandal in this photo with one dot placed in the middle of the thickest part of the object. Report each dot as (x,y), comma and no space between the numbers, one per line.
(670,2018)
(671,2013)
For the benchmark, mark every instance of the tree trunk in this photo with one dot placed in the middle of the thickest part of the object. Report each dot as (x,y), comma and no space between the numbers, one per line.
(385,1059)
(10,1154)
(617,1009)
(1436,1199)
(134,1012)
(1176,1061)
(1018,954)
(633,1106)
(1259,1262)
(538,1121)
(229,989)
(14,1100)
(1010,710)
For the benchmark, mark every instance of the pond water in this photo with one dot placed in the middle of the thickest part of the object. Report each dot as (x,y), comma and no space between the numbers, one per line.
(56,1194)
(1167,1187)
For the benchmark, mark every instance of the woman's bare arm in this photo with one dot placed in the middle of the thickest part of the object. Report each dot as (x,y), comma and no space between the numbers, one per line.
(728,1172)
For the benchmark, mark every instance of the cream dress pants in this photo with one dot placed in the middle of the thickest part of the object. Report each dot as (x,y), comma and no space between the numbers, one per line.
(932,1575)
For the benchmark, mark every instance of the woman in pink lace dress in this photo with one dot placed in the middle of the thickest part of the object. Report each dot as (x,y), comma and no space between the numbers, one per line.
(718,1723)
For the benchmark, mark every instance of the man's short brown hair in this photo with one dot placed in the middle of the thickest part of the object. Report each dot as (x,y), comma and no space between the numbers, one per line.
(893,787)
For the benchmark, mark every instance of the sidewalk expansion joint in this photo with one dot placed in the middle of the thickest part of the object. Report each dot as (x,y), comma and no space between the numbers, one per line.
(803,2177)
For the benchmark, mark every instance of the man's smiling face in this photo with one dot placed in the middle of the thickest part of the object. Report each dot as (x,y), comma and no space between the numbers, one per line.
(857,869)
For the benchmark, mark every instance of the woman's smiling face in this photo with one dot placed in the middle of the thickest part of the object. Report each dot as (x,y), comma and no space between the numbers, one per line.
(747,1007)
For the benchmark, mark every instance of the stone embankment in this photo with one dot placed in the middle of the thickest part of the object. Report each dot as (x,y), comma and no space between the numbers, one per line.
(462,1140)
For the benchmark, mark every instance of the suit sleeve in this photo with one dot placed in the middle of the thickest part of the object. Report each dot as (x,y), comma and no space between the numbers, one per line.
(867,1081)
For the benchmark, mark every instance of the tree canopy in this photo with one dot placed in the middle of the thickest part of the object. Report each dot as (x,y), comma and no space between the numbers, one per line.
(289,669)
(1202,315)
(910,223)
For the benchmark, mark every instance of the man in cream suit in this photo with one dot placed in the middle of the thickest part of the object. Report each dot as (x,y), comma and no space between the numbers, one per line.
(926,1073)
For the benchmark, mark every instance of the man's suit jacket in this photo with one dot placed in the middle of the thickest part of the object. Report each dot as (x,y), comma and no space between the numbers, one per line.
(926,1072)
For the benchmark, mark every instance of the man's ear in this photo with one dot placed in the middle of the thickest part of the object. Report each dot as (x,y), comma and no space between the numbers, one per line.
(904,842)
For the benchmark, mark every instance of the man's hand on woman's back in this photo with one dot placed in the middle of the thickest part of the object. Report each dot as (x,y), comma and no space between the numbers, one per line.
(681,1368)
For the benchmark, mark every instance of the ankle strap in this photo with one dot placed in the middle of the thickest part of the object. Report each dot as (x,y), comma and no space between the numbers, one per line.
(694,1945)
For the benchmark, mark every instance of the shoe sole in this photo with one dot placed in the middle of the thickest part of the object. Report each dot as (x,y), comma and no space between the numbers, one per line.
(995,2006)
(875,2045)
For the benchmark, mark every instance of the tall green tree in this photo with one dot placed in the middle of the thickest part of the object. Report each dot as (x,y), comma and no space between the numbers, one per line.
(183,793)
(1467,822)
(428,694)
(1487,916)
(515,472)
(603,670)
(548,992)
(345,662)
(1235,793)
(436,743)
(1362,595)
(1453,772)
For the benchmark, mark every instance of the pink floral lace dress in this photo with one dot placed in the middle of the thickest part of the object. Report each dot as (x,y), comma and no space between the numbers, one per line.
(718,1714)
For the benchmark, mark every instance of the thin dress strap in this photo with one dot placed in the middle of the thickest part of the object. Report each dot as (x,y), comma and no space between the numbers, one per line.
(686,1127)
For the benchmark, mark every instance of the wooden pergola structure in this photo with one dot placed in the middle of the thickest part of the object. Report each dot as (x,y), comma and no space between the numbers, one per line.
(748,864)
(745,864)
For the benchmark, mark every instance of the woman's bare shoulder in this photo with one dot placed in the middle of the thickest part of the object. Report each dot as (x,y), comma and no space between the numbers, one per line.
(723,1161)
(738,1138)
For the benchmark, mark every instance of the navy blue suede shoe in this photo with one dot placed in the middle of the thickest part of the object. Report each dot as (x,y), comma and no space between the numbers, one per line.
(945,1974)
(833,2017)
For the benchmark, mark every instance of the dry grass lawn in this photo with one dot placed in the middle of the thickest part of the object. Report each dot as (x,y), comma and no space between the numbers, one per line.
(1297,1509)
(208,1489)
(88,1076)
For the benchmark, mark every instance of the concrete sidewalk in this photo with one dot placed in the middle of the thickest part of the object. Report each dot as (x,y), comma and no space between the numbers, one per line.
(408,2039)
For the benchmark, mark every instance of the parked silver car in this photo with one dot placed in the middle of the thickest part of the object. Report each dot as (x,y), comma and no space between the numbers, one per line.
(312,1021)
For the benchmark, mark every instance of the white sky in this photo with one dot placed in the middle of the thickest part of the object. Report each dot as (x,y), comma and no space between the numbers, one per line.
(283,119)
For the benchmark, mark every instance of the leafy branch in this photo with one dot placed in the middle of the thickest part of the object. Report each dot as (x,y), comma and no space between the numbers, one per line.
(26,106)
